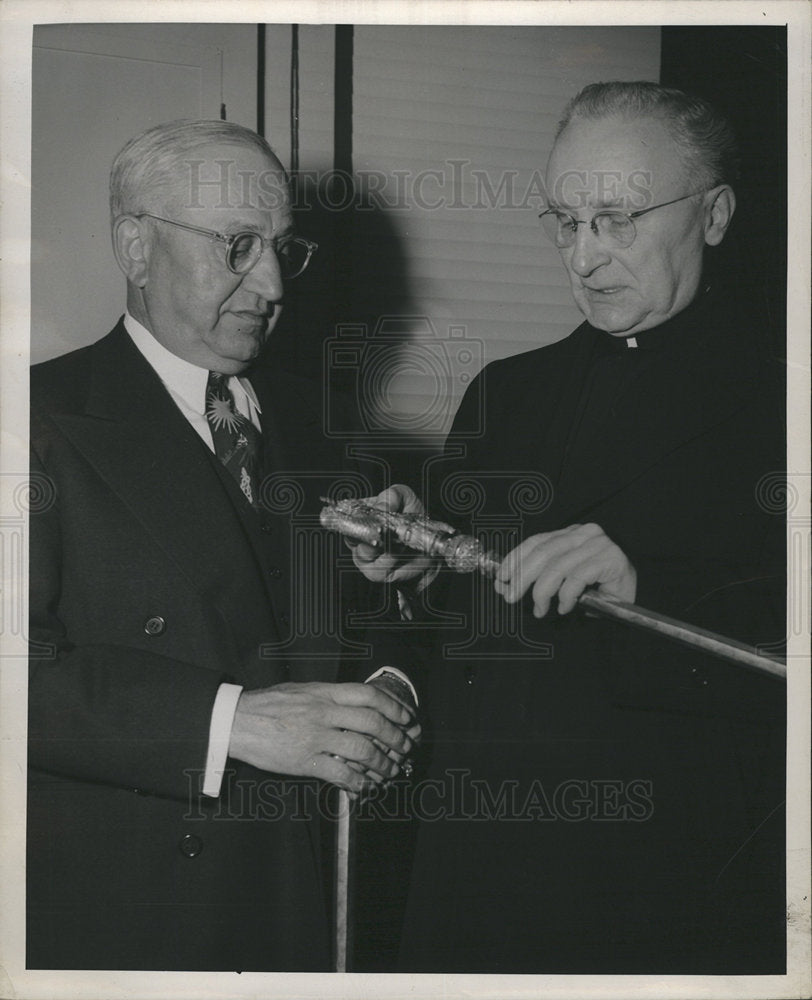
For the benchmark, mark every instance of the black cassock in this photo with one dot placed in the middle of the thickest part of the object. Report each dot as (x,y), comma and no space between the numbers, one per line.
(593,799)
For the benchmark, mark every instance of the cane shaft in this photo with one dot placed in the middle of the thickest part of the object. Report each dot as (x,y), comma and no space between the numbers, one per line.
(343,882)
(689,635)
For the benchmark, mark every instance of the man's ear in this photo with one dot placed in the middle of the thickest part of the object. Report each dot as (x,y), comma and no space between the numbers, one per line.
(132,253)
(720,204)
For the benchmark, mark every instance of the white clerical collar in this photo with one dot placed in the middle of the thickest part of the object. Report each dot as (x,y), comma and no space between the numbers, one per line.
(182,378)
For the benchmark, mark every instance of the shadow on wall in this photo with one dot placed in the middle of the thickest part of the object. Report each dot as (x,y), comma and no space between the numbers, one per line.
(350,322)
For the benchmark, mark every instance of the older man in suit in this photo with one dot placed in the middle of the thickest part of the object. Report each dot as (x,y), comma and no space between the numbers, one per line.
(601,801)
(187,639)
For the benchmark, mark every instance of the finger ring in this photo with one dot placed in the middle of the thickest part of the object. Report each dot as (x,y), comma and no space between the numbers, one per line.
(408,768)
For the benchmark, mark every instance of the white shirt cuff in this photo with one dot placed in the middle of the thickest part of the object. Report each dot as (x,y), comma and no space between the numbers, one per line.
(397,673)
(222,719)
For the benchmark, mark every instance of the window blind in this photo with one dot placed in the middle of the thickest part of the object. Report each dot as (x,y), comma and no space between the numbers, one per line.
(452,126)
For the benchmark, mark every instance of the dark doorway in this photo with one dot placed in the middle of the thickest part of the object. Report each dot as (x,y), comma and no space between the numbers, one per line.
(743,71)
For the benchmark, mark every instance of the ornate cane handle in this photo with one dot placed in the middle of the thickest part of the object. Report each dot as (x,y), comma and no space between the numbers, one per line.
(358,520)
(463,553)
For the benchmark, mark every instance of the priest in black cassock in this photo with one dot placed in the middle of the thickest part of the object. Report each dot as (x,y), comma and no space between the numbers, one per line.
(597,800)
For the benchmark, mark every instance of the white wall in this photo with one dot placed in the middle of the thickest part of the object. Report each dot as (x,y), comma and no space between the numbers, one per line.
(95,86)
(467,102)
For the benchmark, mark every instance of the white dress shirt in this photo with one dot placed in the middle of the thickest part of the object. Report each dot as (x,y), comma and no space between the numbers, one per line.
(186,384)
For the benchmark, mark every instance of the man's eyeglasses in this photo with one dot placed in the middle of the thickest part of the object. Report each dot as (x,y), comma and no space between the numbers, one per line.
(613,229)
(243,250)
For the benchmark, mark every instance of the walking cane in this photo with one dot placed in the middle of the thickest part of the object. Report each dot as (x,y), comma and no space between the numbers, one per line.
(345,837)
(358,520)
(343,875)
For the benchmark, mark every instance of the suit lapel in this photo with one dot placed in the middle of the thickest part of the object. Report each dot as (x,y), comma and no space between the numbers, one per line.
(150,457)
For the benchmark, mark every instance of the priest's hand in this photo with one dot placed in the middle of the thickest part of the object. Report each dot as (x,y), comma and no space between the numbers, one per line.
(397,565)
(352,735)
(565,563)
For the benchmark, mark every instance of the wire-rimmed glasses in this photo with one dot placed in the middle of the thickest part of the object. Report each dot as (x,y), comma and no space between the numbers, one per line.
(614,229)
(244,249)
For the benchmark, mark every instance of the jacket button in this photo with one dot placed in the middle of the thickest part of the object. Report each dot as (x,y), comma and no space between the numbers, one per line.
(470,674)
(274,572)
(285,619)
(190,845)
(155,625)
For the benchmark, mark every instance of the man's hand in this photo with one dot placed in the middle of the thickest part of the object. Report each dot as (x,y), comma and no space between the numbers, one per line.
(566,562)
(384,566)
(401,690)
(353,735)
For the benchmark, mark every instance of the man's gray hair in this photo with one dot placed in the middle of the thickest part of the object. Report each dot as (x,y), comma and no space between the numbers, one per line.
(704,137)
(152,163)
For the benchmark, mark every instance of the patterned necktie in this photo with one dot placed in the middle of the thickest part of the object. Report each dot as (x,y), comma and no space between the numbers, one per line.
(237,442)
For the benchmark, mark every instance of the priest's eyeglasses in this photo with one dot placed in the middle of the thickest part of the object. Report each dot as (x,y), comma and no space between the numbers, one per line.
(613,229)
(243,250)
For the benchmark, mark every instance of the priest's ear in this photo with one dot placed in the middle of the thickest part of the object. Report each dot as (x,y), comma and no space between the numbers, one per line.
(131,248)
(720,204)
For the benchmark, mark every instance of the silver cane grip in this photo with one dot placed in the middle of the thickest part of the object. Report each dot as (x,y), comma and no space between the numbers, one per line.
(361,522)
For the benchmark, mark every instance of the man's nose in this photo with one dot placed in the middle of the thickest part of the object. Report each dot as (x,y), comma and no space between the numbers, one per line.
(588,253)
(265,277)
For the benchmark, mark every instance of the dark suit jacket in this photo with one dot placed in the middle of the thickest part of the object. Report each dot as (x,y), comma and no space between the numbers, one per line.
(152,581)
(531,868)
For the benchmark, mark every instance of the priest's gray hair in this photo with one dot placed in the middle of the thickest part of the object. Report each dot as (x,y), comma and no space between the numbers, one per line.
(703,135)
(150,164)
